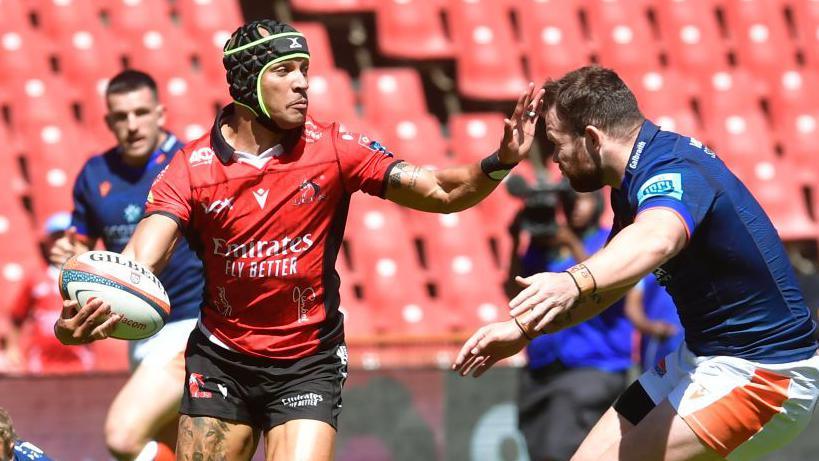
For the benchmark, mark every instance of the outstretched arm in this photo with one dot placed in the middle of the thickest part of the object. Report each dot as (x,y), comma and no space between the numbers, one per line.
(455,189)
(151,245)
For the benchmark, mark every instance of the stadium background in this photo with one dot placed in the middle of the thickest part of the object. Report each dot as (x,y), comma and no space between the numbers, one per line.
(431,80)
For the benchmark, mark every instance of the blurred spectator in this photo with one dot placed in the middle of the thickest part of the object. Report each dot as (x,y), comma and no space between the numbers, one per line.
(574,375)
(31,344)
(14,449)
(653,313)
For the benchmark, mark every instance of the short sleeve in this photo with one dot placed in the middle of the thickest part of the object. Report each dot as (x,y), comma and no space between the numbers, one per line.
(170,194)
(365,163)
(678,188)
(81,217)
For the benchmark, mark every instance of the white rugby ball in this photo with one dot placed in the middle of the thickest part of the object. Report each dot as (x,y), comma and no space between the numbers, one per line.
(127,286)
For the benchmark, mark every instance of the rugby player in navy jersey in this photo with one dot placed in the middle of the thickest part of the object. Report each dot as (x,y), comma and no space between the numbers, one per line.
(745,380)
(109,199)
(263,199)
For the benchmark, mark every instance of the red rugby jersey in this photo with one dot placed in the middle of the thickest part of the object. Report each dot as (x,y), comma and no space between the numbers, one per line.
(269,237)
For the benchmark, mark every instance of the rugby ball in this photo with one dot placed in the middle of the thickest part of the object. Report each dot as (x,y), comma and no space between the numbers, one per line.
(127,286)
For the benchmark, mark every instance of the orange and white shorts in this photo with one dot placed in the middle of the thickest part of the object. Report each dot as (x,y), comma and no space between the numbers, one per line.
(741,409)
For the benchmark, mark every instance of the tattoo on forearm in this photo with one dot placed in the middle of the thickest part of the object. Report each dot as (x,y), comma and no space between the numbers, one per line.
(399,174)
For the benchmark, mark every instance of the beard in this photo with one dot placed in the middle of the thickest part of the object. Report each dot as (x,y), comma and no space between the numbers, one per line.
(587,173)
(586,181)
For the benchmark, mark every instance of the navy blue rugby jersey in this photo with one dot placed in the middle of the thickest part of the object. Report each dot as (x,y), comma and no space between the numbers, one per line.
(109,200)
(733,284)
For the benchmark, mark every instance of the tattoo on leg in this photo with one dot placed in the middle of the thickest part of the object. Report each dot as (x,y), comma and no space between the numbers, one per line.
(202,439)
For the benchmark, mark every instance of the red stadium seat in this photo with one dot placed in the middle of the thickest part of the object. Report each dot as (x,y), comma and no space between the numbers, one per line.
(690,31)
(163,53)
(12,15)
(411,30)
(793,89)
(664,98)
(321,52)
(740,138)
(488,61)
(61,18)
(331,97)
(383,88)
(40,100)
(552,37)
(209,16)
(417,140)
(137,16)
(773,186)
(760,35)
(22,53)
(88,55)
(189,105)
(806,19)
(475,135)
(110,355)
(735,92)
(622,35)
(332,6)
(795,116)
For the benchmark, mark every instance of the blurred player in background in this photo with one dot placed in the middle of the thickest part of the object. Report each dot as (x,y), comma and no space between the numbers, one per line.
(109,196)
(31,340)
(745,380)
(578,371)
(14,449)
(653,313)
(263,198)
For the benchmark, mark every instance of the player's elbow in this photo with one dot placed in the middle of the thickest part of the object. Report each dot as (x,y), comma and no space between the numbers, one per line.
(662,247)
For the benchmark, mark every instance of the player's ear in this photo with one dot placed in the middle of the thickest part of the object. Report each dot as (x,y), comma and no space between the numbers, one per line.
(160,110)
(594,135)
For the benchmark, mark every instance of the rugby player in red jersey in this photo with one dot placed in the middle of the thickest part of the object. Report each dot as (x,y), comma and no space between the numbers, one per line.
(263,200)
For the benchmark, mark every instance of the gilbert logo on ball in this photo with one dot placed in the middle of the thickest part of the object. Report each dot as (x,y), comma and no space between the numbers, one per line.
(127,286)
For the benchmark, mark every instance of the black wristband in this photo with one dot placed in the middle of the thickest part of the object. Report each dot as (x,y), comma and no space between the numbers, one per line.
(494,169)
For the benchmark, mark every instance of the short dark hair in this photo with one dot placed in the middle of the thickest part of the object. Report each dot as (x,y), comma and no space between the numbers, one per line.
(7,433)
(131,80)
(593,95)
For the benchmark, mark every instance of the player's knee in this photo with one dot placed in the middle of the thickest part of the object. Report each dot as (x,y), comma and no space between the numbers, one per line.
(122,443)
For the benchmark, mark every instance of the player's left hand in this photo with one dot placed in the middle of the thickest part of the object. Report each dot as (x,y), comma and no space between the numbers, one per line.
(487,346)
(519,129)
(547,295)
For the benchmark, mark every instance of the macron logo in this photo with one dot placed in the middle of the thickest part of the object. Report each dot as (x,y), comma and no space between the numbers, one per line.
(261,197)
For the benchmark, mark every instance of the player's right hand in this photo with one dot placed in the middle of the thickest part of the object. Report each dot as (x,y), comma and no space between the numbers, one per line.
(65,247)
(92,322)
(487,346)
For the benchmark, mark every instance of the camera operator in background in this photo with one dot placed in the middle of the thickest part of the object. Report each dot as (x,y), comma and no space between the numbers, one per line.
(574,375)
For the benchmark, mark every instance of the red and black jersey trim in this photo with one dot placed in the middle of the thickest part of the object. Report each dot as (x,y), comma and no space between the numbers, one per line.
(176,218)
(224,151)
(386,181)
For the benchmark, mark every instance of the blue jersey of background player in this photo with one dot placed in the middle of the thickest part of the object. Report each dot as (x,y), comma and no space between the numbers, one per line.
(733,283)
(109,196)
(14,449)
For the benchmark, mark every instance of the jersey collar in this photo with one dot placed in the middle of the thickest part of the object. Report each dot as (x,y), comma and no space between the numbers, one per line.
(225,151)
(647,133)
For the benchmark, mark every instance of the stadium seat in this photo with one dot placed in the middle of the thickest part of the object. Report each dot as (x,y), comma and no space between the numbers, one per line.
(163,53)
(806,18)
(795,116)
(417,140)
(782,198)
(321,52)
(793,89)
(188,107)
(40,100)
(740,137)
(622,35)
(331,97)
(332,6)
(12,15)
(23,53)
(390,94)
(411,29)
(88,55)
(138,16)
(473,136)
(61,18)
(209,16)
(552,37)
(488,61)
(734,91)
(665,98)
(691,34)
(760,35)
(110,355)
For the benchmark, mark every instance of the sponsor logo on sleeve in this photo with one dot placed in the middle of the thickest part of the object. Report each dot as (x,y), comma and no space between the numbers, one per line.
(661,185)
(374,145)
(201,156)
